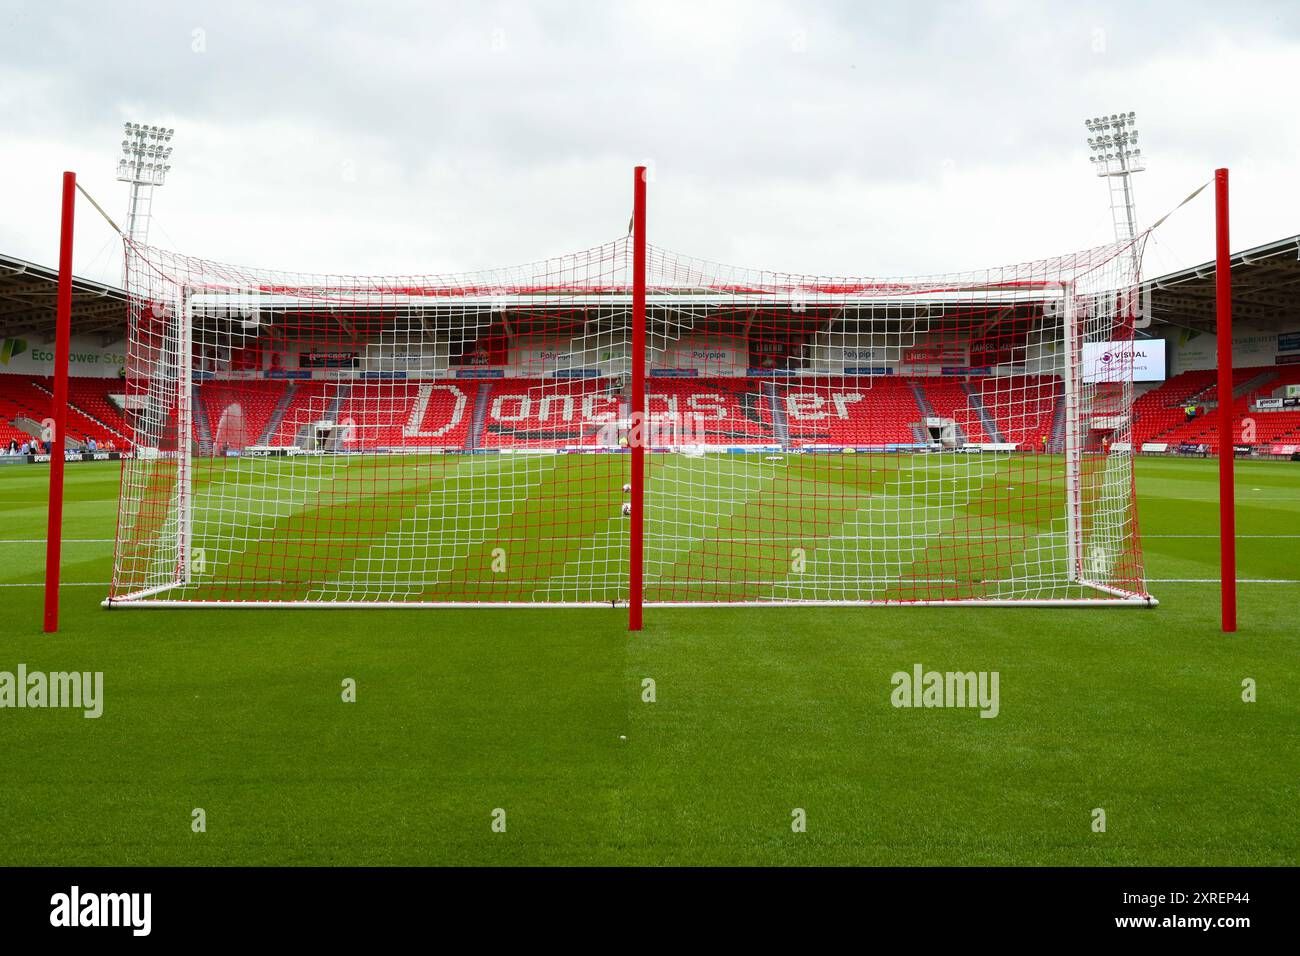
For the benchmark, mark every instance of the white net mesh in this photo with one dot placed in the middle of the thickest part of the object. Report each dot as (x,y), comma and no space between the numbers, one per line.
(463,439)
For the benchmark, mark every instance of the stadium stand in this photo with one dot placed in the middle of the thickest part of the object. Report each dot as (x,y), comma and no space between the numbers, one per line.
(1254,427)
(722,409)
(503,413)
(1023,406)
(411,414)
(519,412)
(1160,410)
(949,400)
(308,402)
(15,403)
(91,397)
(875,411)
(237,412)
(30,397)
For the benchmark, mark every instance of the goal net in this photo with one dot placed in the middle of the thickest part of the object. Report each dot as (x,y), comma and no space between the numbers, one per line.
(468,439)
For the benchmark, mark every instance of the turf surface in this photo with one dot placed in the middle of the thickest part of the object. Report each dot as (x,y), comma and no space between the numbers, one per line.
(720,528)
(758,711)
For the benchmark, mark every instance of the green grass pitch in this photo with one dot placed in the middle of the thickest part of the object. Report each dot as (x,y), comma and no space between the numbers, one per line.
(759,711)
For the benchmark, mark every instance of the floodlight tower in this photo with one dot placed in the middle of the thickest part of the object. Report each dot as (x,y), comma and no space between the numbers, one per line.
(144,165)
(1113,140)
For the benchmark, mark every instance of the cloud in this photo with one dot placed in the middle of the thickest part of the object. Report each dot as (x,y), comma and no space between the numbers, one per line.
(836,138)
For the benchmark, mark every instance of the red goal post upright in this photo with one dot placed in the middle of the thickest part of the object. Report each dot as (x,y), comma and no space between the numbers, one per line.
(1223,327)
(637,432)
(62,348)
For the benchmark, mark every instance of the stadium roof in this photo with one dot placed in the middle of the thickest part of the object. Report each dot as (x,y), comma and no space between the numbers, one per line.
(27,298)
(1265,289)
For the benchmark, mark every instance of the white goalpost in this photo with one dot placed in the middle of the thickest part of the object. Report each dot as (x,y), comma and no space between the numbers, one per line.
(628,426)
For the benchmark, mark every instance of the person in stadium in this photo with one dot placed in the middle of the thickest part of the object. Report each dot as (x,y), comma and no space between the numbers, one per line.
(1044,444)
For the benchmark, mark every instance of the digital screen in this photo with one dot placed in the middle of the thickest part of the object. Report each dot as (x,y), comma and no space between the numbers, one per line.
(1112,361)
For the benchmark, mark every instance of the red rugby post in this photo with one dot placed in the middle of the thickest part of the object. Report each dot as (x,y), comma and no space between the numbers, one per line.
(59,414)
(1223,326)
(637,432)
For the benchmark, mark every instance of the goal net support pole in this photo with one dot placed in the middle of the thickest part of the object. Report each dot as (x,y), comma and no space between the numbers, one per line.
(184,438)
(1073,439)
(637,434)
(62,348)
(1223,324)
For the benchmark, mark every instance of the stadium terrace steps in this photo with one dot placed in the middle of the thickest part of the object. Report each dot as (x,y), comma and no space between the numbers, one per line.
(479,421)
(1057,443)
(1022,406)
(306,405)
(1255,385)
(26,428)
(202,427)
(922,402)
(90,396)
(1286,375)
(977,405)
(277,413)
(341,395)
(776,409)
(947,399)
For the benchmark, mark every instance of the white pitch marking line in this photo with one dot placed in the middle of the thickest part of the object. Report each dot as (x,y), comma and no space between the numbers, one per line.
(1216,581)
(65,540)
(62,584)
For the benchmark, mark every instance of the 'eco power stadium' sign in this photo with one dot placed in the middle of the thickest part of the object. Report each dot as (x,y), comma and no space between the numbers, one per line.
(87,358)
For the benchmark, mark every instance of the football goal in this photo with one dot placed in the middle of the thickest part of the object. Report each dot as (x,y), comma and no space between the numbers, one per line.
(627,426)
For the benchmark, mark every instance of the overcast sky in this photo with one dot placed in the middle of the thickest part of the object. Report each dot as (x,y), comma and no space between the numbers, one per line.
(847,138)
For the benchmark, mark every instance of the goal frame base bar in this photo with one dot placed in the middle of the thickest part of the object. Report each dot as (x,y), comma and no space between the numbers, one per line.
(150,602)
